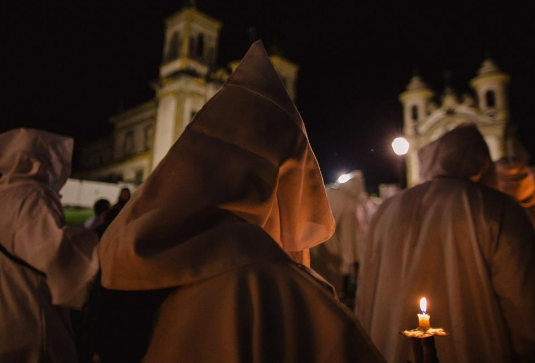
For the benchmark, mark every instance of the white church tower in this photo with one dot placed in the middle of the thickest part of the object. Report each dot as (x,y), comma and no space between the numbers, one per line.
(490,86)
(416,101)
(187,76)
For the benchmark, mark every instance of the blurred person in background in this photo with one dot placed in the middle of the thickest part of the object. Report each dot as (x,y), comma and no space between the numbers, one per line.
(337,259)
(124,197)
(101,208)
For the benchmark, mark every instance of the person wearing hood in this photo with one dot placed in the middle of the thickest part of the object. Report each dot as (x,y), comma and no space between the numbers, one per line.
(221,222)
(466,247)
(515,178)
(45,267)
(337,259)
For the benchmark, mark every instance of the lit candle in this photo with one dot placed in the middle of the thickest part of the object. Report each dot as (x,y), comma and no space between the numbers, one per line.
(424,329)
(423,318)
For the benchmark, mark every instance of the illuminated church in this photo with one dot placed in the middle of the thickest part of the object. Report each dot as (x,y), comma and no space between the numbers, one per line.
(424,120)
(189,77)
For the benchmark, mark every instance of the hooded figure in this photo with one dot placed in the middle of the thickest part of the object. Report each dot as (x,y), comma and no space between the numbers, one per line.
(515,177)
(467,248)
(337,259)
(217,220)
(517,180)
(45,267)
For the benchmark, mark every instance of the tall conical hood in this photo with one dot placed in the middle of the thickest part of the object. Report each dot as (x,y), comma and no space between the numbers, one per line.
(460,153)
(246,154)
(36,155)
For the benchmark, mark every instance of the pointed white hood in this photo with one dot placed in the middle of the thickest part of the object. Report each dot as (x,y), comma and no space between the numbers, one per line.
(29,154)
(246,155)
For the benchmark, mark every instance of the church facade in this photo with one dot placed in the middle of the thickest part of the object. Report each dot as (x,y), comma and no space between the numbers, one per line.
(424,120)
(189,77)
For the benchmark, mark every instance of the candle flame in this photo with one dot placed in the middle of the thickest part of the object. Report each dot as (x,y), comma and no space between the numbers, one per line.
(423,304)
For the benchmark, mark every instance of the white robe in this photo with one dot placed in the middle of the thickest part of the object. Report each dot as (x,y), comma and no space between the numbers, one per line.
(213,221)
(45,267)
(467,248)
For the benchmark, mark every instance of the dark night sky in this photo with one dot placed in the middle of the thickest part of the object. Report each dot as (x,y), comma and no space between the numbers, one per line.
(68,68)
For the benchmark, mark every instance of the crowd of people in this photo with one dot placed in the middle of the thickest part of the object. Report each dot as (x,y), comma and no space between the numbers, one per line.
(209,260)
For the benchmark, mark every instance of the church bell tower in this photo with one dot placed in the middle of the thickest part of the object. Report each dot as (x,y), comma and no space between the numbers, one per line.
(490,86)
(189,57)
(415,100)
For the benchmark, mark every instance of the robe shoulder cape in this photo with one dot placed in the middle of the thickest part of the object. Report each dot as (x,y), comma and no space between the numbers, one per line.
(272,310)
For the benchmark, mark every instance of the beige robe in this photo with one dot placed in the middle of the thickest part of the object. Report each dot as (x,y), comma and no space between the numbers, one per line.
(238,189)
(337,257)
(467,248)
(265,309)
(45,267)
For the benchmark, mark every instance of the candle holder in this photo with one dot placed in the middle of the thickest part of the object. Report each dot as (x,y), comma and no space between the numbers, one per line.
(423,333)
(424,330)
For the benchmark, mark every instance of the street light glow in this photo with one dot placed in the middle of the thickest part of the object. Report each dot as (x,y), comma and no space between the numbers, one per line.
(343,178)
(400,145)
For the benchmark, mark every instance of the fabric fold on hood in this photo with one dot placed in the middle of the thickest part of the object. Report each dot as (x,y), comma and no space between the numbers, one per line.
(36,155)
(245,157)
(460,153)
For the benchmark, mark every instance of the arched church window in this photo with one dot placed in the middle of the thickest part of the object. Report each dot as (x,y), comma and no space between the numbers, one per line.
(192,46)
(490,98)
(173,47)
(200,46)
(414,113)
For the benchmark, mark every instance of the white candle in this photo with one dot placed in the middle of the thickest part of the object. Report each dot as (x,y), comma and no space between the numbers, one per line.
(423,318)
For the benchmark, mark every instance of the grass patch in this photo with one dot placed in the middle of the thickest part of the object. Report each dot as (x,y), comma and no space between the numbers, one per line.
(75,217)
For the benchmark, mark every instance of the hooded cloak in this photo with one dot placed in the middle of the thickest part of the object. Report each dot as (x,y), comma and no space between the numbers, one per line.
(467,248)
(239,188)
(45,266)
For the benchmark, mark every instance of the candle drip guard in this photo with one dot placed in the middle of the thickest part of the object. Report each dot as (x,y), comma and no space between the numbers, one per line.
(421,333)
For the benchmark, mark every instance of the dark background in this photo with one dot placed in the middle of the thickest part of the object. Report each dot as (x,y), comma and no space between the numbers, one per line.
(68,67)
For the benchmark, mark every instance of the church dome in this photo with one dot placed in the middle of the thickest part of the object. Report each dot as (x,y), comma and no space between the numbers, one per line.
(416,83)
(488,66)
